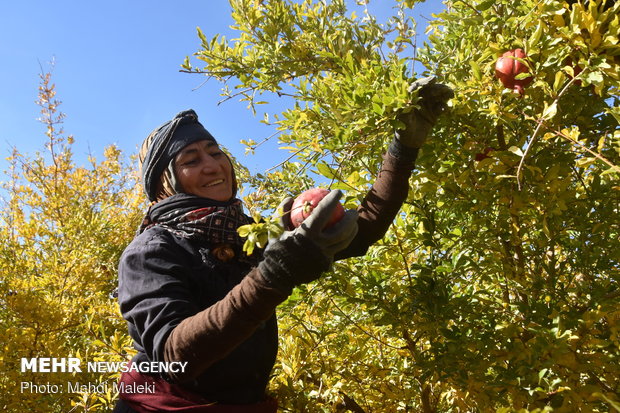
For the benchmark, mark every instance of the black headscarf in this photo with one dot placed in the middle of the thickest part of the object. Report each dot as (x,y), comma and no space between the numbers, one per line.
(167,141)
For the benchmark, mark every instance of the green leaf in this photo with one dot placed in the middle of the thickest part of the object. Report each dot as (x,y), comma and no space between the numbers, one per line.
(186,64)
(550,111)
(245,230)
(326,170)
(522,76)
(516,150)
(541,374)
(201,35)
(585,161)
(485,5)
(558,80)
(593,77)
(535,37)
(456,259)
(248,247)
(475,70)
(378,109)
(262,240)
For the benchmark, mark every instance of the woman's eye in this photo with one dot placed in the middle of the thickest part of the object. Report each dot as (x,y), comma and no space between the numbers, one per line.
(190,162)
(217,154)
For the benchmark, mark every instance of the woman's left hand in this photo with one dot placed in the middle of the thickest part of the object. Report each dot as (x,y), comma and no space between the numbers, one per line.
(330,240)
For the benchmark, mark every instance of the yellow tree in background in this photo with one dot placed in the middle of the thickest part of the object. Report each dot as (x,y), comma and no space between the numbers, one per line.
(63,229)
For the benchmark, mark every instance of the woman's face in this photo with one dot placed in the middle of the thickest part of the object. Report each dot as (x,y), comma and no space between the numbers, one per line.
(204,170)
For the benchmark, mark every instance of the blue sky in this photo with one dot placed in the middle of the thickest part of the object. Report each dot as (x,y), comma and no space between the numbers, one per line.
(117,73)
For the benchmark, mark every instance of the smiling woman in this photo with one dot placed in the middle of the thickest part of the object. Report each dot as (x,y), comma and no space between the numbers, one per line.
(188,291)
(203,169)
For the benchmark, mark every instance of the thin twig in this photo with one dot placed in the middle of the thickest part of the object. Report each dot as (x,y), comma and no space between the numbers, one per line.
(287,159)
(597,155)
(315,158)
(532,10)
(265,139)
(202,84)
(221,74)
(337,172)
(535,134)
(360,328)
(471,7)
(527,149)
(241,92)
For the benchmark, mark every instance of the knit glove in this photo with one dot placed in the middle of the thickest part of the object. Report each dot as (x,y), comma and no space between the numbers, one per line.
(300,255)
(432,100)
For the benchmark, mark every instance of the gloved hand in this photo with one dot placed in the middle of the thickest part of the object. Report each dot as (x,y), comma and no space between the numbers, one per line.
(433,101)
(329,240)
(300,255)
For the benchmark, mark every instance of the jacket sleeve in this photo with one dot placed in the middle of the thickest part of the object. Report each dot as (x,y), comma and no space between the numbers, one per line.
(213,333)
(381,204)
(155,297)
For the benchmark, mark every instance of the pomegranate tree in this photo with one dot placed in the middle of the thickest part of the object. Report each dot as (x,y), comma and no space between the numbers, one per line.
(305,203)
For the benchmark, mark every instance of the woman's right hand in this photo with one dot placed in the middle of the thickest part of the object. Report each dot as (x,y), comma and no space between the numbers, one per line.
(302,254)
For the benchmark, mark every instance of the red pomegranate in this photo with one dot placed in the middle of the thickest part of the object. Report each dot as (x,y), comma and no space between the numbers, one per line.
(508,67)
(484,154)
(307,201)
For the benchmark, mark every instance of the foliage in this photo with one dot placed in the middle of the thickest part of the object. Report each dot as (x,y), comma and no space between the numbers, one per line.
(63,229)
(496,288)
(259,233)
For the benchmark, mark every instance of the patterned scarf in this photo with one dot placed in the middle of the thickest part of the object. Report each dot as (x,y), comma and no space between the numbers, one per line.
(201,219)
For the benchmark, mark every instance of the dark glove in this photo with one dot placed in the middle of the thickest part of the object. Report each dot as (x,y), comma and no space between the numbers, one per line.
(301,255)
(432,102)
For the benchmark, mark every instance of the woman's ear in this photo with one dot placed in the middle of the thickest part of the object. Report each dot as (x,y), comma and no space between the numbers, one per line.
(171,176)
(234,176)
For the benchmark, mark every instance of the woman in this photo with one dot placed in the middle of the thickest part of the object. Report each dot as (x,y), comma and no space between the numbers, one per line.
(194,301)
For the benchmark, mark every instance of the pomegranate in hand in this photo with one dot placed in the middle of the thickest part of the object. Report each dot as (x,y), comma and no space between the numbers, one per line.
(305,203)
(508,67)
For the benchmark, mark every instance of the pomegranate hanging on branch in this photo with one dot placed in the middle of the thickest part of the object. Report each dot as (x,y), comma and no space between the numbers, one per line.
(510,68)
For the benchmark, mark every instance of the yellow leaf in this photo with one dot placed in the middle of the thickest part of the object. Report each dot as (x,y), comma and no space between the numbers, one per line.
(558,20)
(595,37)
(244,230)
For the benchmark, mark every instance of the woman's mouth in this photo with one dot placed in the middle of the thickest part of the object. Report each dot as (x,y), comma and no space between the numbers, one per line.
(213,183)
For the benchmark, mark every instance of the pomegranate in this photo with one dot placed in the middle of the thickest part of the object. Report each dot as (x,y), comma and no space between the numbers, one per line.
(307,201)
(484,155)
(508,67)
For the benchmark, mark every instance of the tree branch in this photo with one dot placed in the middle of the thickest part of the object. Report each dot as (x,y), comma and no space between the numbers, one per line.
(540,123)
(596,155)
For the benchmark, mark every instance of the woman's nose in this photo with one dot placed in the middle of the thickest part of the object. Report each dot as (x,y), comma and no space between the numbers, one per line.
(209,164)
